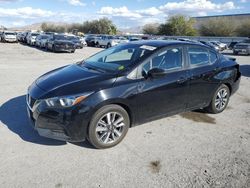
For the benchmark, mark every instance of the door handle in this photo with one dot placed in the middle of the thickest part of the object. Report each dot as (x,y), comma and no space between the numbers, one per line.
(181,80)
(140,86)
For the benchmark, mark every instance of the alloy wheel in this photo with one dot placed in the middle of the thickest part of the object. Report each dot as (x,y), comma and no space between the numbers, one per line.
(110,127)
(221,99)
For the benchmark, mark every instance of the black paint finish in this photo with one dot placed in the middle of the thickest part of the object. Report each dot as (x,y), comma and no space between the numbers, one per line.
(144,99)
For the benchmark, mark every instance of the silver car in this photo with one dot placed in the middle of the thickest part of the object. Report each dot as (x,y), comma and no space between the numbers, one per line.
(243,48)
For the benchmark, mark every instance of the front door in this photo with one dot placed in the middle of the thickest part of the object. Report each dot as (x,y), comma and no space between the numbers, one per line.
(165,95)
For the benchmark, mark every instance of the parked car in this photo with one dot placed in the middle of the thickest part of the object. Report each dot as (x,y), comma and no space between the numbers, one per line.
(1,36)
(9,36)
(23,37)
(60,43)
(216,47)
(101,97)
(76,40)
(231,45)
(221,45)
(41,40)
(122,40)
(91,40)
(31,38)
(134,39)
(107,41)
(241,48)
(19,35)
(83,41)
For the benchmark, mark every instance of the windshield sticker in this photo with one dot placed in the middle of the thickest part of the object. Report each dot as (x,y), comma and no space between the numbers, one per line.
(121,67)
(146,47)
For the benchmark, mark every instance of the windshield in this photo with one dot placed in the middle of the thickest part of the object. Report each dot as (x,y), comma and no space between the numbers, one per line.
(35,34)
(10,34)
(118,58)
(44,36)
(61,37)
(73,38)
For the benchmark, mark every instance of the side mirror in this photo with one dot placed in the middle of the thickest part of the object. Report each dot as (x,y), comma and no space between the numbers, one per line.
(156,73)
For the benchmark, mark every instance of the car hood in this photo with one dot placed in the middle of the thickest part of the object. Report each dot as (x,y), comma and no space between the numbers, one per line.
(73,79)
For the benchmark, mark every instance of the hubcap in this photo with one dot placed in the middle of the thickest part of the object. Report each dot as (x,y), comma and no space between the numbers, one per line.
(221,99)
(110,127)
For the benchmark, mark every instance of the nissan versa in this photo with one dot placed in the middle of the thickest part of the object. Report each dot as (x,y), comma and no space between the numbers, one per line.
(101,97)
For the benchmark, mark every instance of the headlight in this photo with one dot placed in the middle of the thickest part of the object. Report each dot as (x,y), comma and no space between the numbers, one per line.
(66,101)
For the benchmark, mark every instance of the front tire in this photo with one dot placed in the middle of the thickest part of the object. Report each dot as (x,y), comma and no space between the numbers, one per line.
(108,127)
(108,45)
(220,100)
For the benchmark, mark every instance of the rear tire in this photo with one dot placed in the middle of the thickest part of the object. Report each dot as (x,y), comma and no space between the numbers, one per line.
(108,127)
(220,100)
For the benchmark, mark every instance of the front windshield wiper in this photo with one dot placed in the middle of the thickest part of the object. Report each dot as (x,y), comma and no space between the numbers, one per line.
(85,65)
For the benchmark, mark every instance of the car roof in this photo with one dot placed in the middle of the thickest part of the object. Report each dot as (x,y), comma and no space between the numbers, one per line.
(163,43)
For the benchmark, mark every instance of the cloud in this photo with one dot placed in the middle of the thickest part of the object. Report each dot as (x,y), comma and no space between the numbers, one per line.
(150,11)
(76,3)
(120,12)
(196,6)
(25,12)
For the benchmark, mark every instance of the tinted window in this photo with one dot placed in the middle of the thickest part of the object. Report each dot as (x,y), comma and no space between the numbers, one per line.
(168,59)
(198,56)
(213,57)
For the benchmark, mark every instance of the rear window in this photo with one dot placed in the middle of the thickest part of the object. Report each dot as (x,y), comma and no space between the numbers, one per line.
(198,56)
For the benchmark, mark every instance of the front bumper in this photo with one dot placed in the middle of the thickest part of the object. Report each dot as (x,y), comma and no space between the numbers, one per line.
(64,48)
(61,124)
(10,40)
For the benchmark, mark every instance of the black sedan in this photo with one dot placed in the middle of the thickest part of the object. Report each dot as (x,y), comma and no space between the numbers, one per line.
(129,84)
(60,43)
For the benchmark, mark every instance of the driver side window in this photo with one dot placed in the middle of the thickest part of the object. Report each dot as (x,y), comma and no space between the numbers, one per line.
(168,59)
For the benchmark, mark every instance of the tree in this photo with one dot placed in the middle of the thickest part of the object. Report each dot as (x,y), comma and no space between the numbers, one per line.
(101,26)
(220,27)
(243,30)
(151,29)
(49,27)
(178,25)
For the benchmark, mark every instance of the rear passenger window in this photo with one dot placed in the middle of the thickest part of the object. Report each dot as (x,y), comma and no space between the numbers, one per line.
(198,56)
(213,57)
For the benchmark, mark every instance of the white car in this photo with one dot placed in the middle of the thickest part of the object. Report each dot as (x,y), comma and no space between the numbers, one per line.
(107,41)
(122,40)
(83,41)
(9,36)
(222,46)
(31,38)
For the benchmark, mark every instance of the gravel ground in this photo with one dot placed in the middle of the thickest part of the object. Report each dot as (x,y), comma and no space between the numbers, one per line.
(187,150)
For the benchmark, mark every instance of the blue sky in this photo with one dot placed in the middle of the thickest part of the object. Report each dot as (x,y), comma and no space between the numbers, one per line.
(124,13)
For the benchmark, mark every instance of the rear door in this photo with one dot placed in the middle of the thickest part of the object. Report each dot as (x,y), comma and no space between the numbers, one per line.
(202,68)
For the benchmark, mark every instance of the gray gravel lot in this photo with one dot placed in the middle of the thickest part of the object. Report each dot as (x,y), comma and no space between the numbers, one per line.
(188,150)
